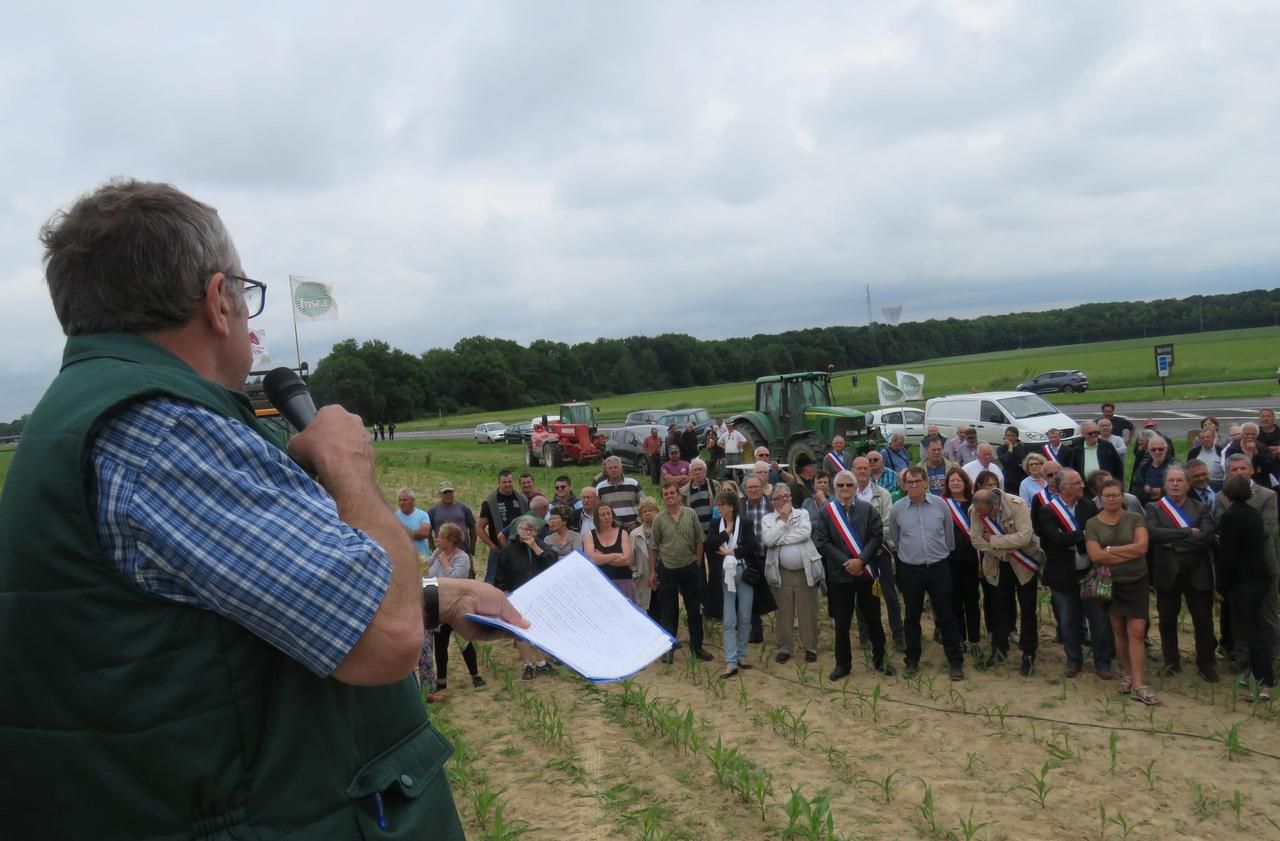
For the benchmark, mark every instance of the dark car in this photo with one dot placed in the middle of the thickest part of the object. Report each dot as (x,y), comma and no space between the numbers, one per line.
(649,416)
(627,443)
(700,417)
(1066,381)
(518,433)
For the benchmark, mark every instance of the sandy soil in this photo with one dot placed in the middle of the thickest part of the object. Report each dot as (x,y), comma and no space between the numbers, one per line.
(612,767)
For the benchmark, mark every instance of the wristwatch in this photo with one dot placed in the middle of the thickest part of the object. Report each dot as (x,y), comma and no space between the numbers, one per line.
(431,603)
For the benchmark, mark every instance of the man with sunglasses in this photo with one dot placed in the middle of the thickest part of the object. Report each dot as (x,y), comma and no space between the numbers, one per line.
(1092,453)
(212,641)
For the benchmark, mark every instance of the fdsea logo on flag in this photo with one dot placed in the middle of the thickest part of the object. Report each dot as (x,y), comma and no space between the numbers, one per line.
(890,394)
(312,299)
(911,385)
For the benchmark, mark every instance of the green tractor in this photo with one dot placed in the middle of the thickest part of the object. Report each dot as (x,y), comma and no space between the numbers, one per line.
(796,418)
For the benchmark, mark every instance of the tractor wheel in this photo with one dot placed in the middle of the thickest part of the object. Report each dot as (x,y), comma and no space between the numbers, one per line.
(805,448)
(551,455)
(530,459)
(754,439)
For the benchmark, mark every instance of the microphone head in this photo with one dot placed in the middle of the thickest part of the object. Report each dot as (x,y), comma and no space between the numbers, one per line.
(281,384)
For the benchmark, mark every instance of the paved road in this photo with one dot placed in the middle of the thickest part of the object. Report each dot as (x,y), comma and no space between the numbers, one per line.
(1174,416)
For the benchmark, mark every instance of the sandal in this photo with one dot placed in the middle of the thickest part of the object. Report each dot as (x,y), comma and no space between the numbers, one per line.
(1126,684)
(1144,695)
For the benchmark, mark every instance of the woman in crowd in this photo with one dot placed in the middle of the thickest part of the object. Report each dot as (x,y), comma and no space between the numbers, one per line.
(609,547)
(519,561)
(963,559)
(449,561)
(560,538)
(1244,577)
(734,545)
(793,569)
(986,480)
(1011,454)
(642,551)
(760,470)
(1117,539)
(1033,466)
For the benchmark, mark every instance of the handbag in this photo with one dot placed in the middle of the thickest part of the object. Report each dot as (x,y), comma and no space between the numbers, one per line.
(752,576)
(1096,585)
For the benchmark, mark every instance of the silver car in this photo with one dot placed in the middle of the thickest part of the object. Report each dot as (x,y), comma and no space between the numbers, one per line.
(904,419)
(489,433)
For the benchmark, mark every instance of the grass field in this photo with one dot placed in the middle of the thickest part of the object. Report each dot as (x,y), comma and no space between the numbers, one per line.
(6,456)
(1206,365)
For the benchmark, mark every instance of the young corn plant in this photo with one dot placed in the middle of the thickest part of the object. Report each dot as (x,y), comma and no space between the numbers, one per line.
(1037,785)
(1126,828)
(971,758)
(1112,742)
(1230,739)
(1149,774)
(928,809)
(885,784)
(809,819)
(968,828)
(1206,802)
(1236,803)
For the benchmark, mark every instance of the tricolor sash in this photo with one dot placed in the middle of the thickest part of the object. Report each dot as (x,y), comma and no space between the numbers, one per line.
(1045,496)
(1175,513)
(1017,554)
(958,515)
(1051,453)
(848,536)
(1064,515)
(834,461)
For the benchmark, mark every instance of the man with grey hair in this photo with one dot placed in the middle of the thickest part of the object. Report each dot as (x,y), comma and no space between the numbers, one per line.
(985,459)
(1181,536)
(1000,527)
(1091,453)
(621,493)
(148,512)
(881,500)
(415,521)
(951,449)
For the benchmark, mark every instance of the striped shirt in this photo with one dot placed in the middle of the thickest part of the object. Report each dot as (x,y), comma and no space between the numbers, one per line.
(623,499)
(198,508)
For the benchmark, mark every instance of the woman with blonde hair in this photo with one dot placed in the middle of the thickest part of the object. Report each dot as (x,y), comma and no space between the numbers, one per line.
(449,561)
(1033,466)
(642,550)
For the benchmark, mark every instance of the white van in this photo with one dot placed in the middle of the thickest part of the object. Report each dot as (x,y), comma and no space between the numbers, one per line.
(992,412)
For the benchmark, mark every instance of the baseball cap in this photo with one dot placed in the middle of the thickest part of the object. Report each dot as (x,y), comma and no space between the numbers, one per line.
(446,486)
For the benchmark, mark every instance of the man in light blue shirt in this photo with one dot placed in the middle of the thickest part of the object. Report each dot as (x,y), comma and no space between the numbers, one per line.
(415,521)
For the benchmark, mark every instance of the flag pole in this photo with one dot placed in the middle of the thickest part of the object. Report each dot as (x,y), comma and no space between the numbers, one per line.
(293,308)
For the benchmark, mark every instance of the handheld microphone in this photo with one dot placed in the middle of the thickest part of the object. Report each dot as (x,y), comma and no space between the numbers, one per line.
(289,395)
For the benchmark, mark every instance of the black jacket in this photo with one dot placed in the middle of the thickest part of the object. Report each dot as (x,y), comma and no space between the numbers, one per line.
(749,552)
(870,531)
(1174,548)
(1011,466)
(1108,459)
(1060,546)
(517,564)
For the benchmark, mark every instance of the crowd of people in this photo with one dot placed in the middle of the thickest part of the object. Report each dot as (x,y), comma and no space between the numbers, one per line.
(968,533)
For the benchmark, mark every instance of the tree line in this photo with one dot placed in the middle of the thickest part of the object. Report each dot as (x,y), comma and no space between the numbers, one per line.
(480,373)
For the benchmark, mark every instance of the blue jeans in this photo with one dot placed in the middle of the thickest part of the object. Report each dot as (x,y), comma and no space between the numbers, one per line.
(1070,608)
(737,619)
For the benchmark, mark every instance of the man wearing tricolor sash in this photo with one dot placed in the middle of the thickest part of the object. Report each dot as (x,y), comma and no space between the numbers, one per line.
(1000,528)
(848,534)
(1053,450)
(1181,530)
(836,458)
(1061,530)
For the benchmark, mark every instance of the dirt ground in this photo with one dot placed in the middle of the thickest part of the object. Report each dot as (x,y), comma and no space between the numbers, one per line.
(576,761)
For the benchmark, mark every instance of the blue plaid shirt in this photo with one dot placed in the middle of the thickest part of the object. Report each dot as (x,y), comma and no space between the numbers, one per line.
(198,508)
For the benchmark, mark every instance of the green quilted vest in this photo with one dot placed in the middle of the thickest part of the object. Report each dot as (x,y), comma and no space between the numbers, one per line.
(125,715)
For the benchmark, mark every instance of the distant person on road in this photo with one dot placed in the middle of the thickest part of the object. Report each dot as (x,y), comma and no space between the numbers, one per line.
(391,430)
(951,449)
(935,465)
(1091,453)
(622,493)
(896,457)
(1120,425)
(1011,454)
(499,510)
(676,468)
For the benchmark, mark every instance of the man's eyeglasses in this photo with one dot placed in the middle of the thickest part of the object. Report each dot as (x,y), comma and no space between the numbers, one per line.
(255,294)
(844,484)
(915,481)
(1091,435)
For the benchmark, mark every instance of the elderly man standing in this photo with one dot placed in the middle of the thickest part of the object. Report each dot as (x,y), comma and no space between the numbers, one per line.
(920,526)
(1181,539)
(984,460)
(213,642)
(951,450)
(881,500)
(848,535)
(1264,501)
(1001,529)
(896,457)
(415,521)
(586,515)
(794,570)
(700,493)
(1091,453)
(622,493)
(836,458)
(1066,562)
(678,543)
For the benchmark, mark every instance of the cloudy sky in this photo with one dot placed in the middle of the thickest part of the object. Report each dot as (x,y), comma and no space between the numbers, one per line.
(568,170)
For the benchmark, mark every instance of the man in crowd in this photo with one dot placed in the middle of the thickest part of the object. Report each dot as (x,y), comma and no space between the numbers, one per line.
(622,493)
(449,510)
(1263,500)
(801,481)
(882,501)
(848,535)
(1201,488)
(920,526)
(884,478)
(984,459)
(1052,451)
(654,447)
(896,457)
(1000,527)
(499,510)
(951,449)
(1091,453)
(415,521)
(968,450)
(1107,433)
(1264,467)
(731,442)
(163,626)
(755,505)
(699,494)
(565,496)
(1148,477)
(1268,432)
(1181,534)
(676,468)
(1061,527)
(678,540)
(589,498)
(1207,452)
(836,458)
(1011,454)
(935,465)
(526,486)
(1120,425)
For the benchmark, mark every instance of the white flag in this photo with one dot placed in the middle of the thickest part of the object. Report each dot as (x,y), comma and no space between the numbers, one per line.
(312,300)
(890,394)
(258,345)
(911,385)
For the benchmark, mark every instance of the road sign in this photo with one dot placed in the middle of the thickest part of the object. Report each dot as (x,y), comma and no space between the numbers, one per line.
(1163,364)
(1165,350)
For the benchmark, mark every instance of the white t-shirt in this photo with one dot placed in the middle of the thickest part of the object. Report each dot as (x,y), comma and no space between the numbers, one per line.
(975,467)
(732,442)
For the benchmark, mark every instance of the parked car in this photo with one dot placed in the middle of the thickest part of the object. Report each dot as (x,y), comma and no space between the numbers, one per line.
(649,416)
(627,443)
(701,421)
(908,421)
(990,413)
(517,433)
(489,433)
(1065,381)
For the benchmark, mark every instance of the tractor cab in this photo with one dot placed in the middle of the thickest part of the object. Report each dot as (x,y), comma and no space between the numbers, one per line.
(786,398)
(578,413)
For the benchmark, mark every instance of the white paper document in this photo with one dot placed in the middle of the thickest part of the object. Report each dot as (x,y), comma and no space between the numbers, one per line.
(576,615)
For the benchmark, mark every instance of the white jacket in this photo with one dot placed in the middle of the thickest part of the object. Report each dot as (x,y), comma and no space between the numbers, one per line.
(795,529)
